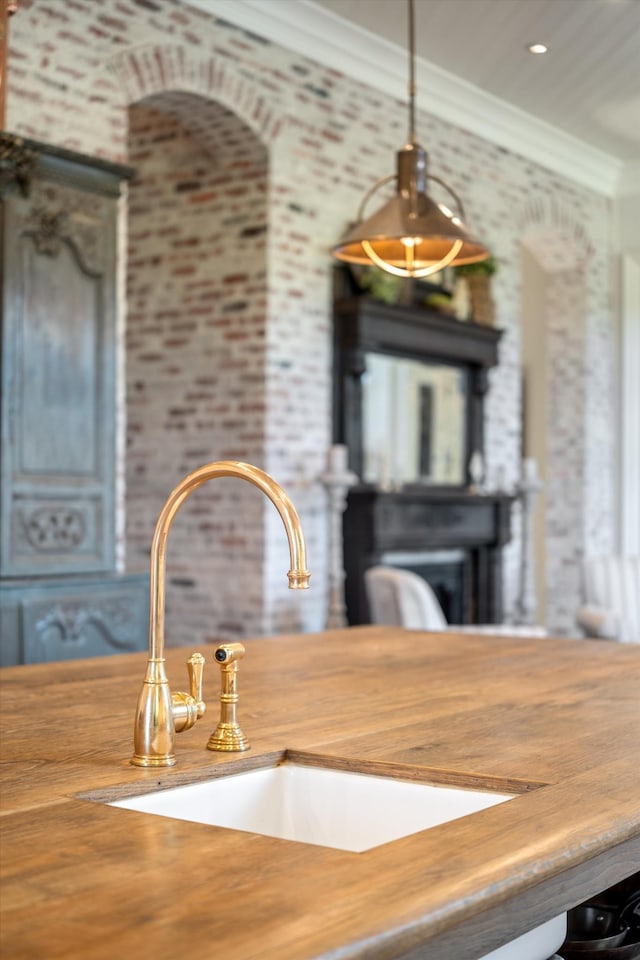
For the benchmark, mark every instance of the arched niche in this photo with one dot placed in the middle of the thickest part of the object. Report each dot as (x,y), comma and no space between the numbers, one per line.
(554,351)
(195,353)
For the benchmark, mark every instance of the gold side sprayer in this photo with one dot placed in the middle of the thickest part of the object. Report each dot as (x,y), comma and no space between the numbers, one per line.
(227,735)
(160,714)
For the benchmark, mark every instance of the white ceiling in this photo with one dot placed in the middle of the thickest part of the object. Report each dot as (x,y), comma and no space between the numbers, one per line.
(588,84)
(575,109)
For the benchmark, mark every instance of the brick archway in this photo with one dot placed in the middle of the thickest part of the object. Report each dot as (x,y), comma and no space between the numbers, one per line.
(554,237)
(152,69)
(554,360)
(196,330)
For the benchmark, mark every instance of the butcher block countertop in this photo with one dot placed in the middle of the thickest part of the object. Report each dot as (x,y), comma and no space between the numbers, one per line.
(555,721)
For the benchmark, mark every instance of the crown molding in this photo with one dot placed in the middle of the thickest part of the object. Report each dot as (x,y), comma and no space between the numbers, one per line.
(317,33)
(629,182)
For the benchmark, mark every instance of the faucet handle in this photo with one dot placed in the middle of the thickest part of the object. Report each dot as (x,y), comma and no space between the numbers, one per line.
(189,707)
(195,669)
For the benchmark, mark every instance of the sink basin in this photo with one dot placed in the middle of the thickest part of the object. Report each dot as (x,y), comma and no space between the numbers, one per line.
(332,808)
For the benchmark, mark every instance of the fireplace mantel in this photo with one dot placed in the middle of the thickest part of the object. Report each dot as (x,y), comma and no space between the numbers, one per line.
(415,522)
(411,450)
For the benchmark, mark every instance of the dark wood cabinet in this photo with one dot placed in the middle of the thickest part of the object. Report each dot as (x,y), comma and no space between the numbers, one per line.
(58,234)
(426,518)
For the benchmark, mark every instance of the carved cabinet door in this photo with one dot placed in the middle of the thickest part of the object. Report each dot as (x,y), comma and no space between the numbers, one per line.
(58,375)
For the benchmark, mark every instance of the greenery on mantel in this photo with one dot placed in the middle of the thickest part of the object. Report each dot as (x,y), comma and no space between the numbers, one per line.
(485,268)
(382,286)
(403,291)
(446,297)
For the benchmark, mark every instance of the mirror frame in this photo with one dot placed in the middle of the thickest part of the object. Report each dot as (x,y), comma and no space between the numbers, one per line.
(362,325)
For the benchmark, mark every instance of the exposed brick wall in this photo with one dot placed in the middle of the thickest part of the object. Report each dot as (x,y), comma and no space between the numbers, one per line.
(565,480)
(576,522)
(74,69)
(195,356)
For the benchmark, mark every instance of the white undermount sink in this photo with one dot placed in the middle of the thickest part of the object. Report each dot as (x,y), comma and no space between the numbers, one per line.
(335,808)
(332,808)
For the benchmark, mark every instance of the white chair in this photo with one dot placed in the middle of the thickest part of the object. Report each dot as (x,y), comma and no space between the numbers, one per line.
(612,599)
(401,598)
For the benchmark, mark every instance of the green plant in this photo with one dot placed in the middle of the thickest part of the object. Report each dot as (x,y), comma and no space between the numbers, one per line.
(482,268)
(382,286)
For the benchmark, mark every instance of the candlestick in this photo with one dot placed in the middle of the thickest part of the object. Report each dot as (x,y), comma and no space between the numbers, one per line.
(337,459)
(336,482)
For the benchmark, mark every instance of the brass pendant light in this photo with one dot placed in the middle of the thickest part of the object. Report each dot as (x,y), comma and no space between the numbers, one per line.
(411,235)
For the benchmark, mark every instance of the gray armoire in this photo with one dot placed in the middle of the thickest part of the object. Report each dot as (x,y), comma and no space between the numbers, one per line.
(60,595)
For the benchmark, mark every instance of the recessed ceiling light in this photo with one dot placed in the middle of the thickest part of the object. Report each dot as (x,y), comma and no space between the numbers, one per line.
(537,48)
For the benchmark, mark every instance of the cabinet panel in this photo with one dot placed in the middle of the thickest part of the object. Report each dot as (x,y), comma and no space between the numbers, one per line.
(58,368)
(46,529)
(72,617)
(61,350)
(58,229)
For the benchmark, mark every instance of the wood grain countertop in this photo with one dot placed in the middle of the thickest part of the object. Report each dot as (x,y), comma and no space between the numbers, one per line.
(556,721)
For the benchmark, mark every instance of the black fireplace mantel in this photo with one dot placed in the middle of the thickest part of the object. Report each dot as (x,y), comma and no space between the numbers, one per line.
(421,521)
(440,528)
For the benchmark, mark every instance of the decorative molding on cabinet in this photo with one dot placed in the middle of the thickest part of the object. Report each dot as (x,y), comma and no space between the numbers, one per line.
(66,618)
(58,235)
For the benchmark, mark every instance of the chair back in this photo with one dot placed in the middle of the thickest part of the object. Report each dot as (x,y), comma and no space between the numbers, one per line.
(402,598)
(613,583)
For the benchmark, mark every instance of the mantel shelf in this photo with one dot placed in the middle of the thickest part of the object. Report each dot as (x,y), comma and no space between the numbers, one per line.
(399,329)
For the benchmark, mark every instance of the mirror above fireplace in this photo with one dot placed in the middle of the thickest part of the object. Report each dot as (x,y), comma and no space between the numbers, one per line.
(409,386)
(413,422)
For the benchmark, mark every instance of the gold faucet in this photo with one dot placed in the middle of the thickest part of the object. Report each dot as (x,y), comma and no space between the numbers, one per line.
(160,714)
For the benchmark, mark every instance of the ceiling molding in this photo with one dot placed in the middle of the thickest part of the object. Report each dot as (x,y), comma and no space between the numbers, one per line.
(319,34)
(629,180)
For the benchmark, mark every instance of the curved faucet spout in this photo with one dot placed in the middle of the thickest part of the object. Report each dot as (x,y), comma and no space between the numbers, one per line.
(298,574)
(156,715)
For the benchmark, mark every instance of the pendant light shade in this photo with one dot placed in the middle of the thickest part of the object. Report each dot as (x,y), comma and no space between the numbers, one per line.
(411,235)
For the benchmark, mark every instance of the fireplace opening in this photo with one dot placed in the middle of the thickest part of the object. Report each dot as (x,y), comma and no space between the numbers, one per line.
(447,573)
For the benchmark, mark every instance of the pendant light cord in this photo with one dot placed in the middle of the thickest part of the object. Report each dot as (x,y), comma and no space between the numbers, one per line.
(412,74)
(408,235)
